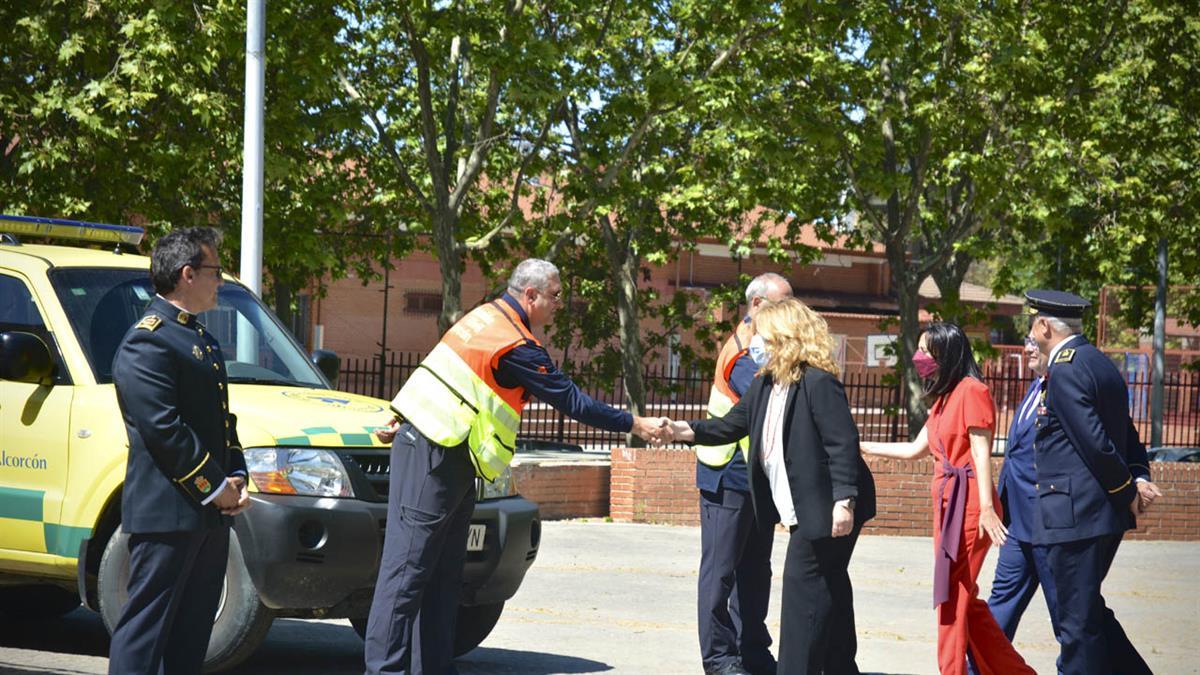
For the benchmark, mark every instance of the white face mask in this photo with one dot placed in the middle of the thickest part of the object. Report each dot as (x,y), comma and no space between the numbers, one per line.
(758,351)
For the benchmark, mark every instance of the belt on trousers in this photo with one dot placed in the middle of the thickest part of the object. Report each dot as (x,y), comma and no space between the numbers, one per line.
(956,477)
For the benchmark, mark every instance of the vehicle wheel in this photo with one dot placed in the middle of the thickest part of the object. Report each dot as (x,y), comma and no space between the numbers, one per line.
(241,622)
(42,601)
(473,626)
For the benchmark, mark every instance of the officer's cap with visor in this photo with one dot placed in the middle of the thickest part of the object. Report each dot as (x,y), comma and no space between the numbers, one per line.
(1058,304)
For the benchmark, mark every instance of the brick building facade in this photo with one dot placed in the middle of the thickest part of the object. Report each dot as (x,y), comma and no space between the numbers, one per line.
(851,288)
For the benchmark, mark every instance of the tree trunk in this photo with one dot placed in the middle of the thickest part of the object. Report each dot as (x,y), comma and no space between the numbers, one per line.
(450,263)
(282,300)
(949,279)
(906,285)
(624,264)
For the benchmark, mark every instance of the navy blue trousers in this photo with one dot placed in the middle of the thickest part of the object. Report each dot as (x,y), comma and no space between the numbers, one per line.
(735,583)
(1092,639)
(430,501)
(1020,569)
(174,586)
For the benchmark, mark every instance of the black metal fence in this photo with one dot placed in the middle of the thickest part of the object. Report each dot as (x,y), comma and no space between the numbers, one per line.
(875,400)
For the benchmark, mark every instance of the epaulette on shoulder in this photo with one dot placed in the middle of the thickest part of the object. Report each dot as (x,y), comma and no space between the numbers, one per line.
(150,323)
(1065,356)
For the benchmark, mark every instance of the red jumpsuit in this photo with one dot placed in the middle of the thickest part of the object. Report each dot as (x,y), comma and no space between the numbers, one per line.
(963,619)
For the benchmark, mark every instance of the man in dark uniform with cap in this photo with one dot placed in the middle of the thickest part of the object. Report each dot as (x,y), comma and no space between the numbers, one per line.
(1092,480)
(185,477)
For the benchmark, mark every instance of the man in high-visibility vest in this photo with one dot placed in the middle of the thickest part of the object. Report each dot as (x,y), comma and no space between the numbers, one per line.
(735,551)
(457,417)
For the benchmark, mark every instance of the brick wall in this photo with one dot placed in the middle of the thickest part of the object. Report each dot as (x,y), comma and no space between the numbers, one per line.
(658,486)
(563,490)
(654,486)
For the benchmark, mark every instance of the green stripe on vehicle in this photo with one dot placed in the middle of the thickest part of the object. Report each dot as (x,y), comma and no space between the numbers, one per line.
(293,440)
(21,504)
(64,540)
(319,430)
(356,439)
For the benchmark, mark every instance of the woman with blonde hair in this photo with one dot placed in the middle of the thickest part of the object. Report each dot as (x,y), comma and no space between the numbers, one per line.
(806,473)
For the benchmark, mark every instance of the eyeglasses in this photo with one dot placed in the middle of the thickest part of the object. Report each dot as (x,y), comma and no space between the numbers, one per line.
(218,268)
(1030,343)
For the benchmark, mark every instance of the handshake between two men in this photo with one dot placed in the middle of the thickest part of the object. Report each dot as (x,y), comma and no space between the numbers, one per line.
(659,431)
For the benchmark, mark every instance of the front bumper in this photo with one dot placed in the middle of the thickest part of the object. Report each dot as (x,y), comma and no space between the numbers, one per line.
(319,557)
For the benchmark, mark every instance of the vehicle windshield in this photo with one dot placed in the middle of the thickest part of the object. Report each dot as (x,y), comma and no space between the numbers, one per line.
(103,303)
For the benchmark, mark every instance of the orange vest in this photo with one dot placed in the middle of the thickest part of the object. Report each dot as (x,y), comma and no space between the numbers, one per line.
(735,347)
(485,334)
(722,398)
(453,396)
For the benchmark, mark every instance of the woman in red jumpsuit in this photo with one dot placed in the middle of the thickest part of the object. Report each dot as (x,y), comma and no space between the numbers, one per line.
(966,518)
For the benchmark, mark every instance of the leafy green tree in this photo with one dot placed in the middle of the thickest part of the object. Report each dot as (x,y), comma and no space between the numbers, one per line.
(1117,162)
(459,99)
(643,167)
(131,111)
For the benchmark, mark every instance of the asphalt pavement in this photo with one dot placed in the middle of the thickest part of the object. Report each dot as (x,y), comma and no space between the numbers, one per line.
(620,598)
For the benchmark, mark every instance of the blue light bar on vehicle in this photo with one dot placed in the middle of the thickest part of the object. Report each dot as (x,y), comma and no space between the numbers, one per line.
(59,228)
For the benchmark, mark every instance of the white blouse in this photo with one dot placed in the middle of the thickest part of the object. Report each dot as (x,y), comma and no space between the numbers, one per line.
(771,456)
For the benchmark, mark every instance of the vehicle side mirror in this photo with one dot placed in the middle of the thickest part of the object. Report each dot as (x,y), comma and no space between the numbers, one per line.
(328,363)
(24,357)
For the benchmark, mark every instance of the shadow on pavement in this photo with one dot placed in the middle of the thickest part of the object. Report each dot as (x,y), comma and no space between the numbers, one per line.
(78,632)
(504,661)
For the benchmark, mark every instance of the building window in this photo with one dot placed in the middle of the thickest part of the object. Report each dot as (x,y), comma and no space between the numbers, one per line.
(423,303)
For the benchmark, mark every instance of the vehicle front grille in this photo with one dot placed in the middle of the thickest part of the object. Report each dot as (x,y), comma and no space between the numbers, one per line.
(375,464)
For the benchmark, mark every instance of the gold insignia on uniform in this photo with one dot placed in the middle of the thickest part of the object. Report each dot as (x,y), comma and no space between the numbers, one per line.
(1065,356)
(150,322)
(197,353)
(203,485)
(183,317)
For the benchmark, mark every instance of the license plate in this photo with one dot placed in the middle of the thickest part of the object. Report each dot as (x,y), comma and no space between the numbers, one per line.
(475,537)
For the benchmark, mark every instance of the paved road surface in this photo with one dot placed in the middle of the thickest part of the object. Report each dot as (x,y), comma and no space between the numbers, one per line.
(617,598)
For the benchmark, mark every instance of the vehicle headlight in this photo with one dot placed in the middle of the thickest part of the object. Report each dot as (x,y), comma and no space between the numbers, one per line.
(298,471)
(505,485)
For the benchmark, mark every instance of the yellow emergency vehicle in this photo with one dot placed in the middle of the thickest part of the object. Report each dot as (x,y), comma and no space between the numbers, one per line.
(308,547)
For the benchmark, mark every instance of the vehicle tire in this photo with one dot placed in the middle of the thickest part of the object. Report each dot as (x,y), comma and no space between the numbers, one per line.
(37,602)
(241,623)
(474,624)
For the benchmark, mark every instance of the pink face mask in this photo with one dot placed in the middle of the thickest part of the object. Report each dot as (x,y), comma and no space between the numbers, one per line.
(924,364)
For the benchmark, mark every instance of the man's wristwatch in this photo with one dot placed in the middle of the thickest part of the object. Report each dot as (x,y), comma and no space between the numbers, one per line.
(848,503)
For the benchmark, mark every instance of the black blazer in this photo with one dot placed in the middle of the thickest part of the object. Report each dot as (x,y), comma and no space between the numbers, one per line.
(820,449)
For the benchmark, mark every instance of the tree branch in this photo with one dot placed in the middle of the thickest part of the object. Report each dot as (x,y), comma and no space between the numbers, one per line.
(429,133)
(385,140)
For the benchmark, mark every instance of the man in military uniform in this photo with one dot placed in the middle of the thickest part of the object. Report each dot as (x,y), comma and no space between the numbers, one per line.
(1092,481)
(457,417)
(185,476)
(734,587)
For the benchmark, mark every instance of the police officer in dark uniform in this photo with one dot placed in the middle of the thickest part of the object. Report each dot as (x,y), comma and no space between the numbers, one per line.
(1092,481)
(185,476)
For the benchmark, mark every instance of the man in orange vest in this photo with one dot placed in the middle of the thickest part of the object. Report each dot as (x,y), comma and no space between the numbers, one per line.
(735,552)
(457,418)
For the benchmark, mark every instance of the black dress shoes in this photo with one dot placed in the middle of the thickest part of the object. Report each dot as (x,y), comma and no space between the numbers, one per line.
(731,668)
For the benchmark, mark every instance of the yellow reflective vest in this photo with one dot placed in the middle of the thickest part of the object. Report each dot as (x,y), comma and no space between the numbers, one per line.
(722,398)
(453,395)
